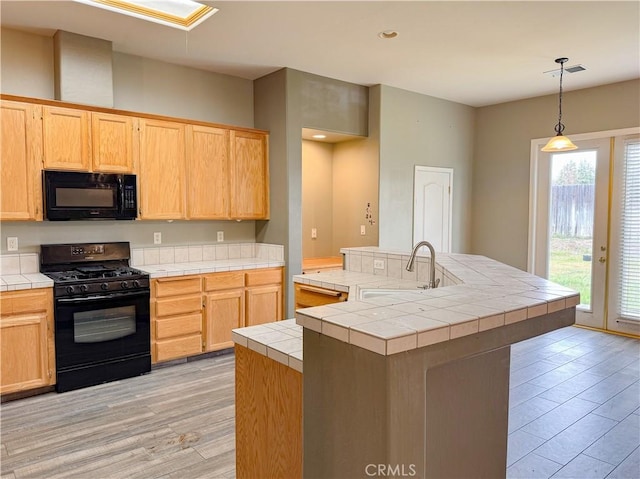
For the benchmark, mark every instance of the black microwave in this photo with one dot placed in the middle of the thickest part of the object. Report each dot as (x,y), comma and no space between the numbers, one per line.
(70,195)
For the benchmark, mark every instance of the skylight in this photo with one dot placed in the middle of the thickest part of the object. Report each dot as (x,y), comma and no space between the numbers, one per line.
(182,14)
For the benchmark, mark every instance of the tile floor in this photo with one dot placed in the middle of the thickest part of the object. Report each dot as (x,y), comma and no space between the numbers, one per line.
(574,413)
(574,406)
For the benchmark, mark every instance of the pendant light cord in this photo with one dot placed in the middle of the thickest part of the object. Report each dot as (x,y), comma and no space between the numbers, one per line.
(560,127)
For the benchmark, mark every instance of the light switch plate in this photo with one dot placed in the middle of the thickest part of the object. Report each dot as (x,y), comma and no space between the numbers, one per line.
(12,243)
(157,238)
(220,236)
(363,230)
(378,264)
(314,233)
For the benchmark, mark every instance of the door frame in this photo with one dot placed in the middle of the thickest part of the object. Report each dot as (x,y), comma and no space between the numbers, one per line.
(538,178)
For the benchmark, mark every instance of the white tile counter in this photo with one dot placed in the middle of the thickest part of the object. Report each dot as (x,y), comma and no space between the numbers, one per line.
(482,294)
(21,271)
(196,259)
(280,341)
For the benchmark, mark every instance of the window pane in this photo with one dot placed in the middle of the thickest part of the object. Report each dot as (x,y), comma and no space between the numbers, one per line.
(571,221)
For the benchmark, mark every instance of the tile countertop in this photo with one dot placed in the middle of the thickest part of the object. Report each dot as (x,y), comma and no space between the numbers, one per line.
(21,271)
(486,294)
(196,259)
(280,341)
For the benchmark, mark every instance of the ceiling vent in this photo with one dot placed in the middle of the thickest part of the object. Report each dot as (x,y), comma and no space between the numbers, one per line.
(571,69)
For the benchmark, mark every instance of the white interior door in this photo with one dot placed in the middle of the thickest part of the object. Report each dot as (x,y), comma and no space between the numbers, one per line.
(432,206)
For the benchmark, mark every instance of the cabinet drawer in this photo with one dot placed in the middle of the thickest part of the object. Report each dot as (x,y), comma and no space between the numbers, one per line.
(178,326)
(178,305)
(178,348)
(308,296)
(218,281)
(172,287)
(25,301)
(263,276)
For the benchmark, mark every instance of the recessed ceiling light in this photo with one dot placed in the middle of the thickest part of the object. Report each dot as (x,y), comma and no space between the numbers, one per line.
(387,34)
(319,137)
(182,14)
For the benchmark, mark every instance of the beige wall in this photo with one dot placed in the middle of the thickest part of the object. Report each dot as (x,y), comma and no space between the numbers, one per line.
(26,64)
(339,189)
(144,85)
(355,186)
(422,130)
(317,199)
(502,150)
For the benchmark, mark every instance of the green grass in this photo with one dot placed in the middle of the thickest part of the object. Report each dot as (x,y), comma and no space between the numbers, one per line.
(567,267)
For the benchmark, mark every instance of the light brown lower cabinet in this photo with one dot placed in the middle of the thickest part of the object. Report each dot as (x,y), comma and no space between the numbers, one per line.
(224,308)
(264,303)
(307,296)
(268,417)
(196,313)
(26,340)
(176,317)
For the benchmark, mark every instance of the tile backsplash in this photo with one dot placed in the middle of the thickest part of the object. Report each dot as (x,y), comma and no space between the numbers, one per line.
(24,263)
(197,253)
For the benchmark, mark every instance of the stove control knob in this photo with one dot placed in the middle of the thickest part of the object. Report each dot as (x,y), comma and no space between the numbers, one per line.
(84,288)
(124,285)
(104,286)
(70,289)
(136,283)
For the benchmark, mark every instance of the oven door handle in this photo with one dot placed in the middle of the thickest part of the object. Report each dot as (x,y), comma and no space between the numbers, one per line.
(102,297)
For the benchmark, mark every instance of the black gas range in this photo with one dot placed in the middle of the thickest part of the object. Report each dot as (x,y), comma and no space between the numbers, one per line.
(101,314)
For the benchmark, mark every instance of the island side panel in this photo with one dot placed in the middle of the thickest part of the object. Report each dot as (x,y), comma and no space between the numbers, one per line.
(268,417)
(345,408)
(467,413)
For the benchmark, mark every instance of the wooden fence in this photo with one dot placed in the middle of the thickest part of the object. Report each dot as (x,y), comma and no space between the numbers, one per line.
(572,210)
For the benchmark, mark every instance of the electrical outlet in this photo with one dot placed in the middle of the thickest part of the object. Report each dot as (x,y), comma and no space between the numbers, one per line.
(314,233)
(12,243)
(157,238)
(363,230)
(220,236)
(378,264)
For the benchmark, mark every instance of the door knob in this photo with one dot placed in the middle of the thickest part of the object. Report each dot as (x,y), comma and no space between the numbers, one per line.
(603,248)
(602,259)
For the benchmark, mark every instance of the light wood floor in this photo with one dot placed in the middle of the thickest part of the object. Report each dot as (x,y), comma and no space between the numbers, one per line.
(574,413)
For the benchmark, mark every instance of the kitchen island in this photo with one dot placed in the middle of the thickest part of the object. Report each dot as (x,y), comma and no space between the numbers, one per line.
(415,382)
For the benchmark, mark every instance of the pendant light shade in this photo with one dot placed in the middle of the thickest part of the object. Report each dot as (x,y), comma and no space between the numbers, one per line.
(560,142)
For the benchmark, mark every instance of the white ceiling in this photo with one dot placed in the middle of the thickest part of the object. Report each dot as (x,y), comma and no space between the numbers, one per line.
(477,53)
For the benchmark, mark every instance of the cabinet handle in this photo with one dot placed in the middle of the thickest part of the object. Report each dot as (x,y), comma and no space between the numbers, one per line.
(326,292)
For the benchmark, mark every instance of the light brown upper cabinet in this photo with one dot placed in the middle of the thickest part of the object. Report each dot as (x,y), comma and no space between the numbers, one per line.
(114,143)
(82,140)
(162,175)
(20,163)
(207,172)
(66,138)
(249,175)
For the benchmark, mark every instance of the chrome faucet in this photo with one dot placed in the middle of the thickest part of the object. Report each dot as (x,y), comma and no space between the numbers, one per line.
(433,282)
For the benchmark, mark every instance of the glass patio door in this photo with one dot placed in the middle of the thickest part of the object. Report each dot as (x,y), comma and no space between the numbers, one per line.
(585,227)
(623,311)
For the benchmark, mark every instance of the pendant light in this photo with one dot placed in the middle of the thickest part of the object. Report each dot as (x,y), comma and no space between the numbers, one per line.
(560,142)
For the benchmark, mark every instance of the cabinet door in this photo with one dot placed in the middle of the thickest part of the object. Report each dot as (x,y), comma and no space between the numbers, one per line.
(112,138)
(249,175)
(162,170)
(264,304)
(66,142)
(21,161)
(207,172)
(24,355)
(224,312)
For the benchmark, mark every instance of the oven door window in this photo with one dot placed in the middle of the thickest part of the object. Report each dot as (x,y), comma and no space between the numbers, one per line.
(97,326)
